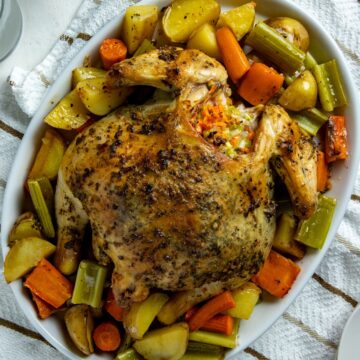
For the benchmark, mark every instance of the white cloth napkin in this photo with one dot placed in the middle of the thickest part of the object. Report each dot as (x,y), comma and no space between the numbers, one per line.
(312,326)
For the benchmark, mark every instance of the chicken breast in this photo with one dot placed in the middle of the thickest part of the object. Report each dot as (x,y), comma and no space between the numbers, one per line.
(166,207)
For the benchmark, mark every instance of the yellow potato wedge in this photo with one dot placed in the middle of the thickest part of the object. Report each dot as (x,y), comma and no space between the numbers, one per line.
(139,24)
(48,158)
(84,73)
(168,343)
(182,17)
(26,225)
(240,20)
(204,39)
(246,297)
(99,99)
(69,113)
(79,323)
(140,316)
(24,255)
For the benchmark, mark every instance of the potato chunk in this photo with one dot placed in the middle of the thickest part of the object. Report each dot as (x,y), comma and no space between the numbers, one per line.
(24,255)
(204,39)
(99,99)
(182,17)
(79,323)
(84,73)
(69,113)
(140,316)
(168,343)
(240,20)
(48,158)
(139,24)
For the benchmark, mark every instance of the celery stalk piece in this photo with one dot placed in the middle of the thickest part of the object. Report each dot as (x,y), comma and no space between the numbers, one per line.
(42,196)
(331,88)
(89,284)
(208,337)
(289,79)
(126,341)
(313,231)
(145,47)
(269,43)
(201,356)
(307,124)
(310,61)
(197,347)
(316,115)
(129,354)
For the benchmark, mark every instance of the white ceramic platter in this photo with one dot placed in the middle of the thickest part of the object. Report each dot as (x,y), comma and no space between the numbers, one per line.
(322,46)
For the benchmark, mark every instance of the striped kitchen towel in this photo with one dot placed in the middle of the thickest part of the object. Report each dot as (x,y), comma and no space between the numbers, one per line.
(312,326)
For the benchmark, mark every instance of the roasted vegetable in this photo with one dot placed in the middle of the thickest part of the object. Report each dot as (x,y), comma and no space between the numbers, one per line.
(98,98)
(182,17)
(85,73)
(115,310)
(246,297)
(48,158)
(139,24)
(322,171)
(26,225)
(69,113)
(42,196)
(140,316)
(204,39)
(168,343)
(284,237)
(80,324)
(111,52)
(301,94)
(313,231)
(24,255)
(331,88)
(49,284)
(44,309)
(311,120)
(292,30)
(270,44)
(89,284)
(240,20)
(336,139)
(145,47)
(129,354)
(107,336)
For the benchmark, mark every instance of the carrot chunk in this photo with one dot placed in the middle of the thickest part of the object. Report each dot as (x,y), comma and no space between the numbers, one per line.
(49,284)
(335,139)
(107,336)
(44,309)
(235,60)
(277,275)
(322,172)
(217,304)
(260,84)
(112,307)
(223,324)
(111,52)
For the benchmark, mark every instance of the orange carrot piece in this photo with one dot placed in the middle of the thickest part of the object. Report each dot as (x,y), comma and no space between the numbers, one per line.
(335,139)
(44,309)
(322,172)
(112,307)
(260,84)
(235,60)
(223,324)
(49,284)
(217,304)
(277,275)
(190,313)
(107,336)
(111,52)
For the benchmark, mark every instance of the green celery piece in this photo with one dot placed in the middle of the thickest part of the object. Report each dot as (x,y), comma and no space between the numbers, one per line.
(330,86)
(289,79)
(310,125)
(269,43)
(201,356)
(197,347)
(42,196)
(126,342)
(316,115)
(129,354)
(89,284)
(310,61)
(208,337)
(313,231)
(145,47)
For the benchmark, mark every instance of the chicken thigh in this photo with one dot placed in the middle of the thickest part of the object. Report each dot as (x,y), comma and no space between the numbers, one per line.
(166,207)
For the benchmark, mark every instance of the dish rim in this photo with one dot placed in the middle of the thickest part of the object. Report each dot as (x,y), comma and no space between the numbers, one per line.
(36,124)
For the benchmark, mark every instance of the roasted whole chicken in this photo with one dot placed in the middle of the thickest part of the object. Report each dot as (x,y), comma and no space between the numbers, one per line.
(166,207)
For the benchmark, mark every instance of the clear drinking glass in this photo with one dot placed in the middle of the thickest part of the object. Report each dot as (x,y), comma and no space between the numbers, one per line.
(10,26)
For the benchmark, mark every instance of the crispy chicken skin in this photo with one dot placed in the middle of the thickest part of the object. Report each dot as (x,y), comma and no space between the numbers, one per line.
(166,207)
